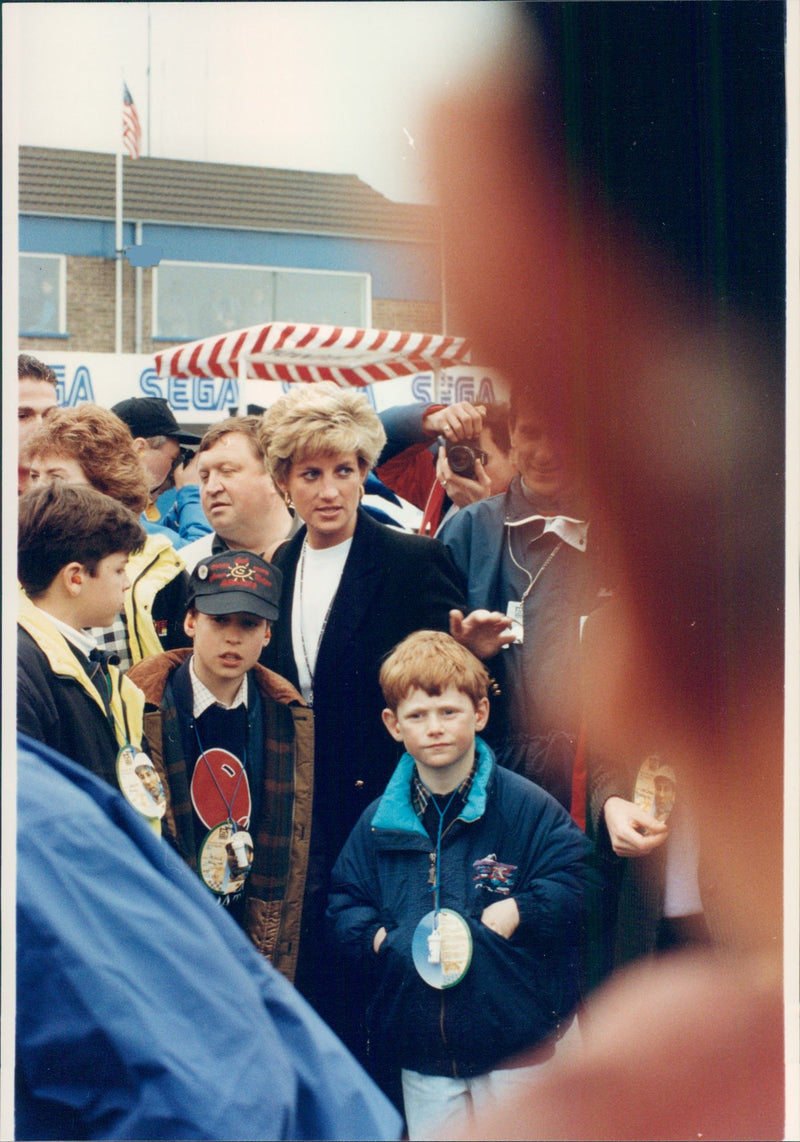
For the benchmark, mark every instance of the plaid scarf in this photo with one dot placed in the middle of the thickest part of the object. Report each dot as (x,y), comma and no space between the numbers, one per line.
(272,833)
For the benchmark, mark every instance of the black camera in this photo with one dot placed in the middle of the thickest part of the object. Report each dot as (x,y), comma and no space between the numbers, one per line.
(184,457)
(461,456)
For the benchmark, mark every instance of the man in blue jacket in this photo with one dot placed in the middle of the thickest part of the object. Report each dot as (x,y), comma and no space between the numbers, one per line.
(528,554)
(142,1010)
(458,895)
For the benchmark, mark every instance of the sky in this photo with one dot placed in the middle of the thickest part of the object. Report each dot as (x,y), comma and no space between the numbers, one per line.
(325,86)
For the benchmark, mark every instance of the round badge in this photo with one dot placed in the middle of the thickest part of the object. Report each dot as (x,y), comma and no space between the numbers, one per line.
(220,789)
(140,783)
(655,788)
(224,861)
(442,948)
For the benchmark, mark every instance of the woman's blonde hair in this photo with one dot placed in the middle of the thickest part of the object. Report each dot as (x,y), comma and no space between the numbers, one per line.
(320,420)
(103,446)
(431,660)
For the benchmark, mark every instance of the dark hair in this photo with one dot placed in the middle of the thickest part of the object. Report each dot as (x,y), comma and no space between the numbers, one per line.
(64,523)
(495,421)
(523,399)
(35,369)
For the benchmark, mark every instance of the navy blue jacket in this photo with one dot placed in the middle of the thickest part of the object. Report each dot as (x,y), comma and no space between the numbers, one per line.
(516,991)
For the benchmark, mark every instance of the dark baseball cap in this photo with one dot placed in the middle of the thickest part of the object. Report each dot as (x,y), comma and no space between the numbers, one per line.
(233,582)
(152,416)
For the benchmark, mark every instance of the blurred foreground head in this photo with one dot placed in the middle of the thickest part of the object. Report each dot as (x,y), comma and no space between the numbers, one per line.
(615,242)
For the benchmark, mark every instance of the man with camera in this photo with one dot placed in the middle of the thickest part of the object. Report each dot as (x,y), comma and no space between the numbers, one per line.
(167,454)
(442,457)
(526,553)
(470,470)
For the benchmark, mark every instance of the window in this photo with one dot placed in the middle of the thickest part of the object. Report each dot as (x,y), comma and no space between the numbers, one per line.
(195,299)
(42,294)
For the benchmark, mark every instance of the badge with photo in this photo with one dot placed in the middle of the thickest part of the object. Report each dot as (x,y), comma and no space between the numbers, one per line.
(655,787)
(225,859)
(442,948)
(140,783)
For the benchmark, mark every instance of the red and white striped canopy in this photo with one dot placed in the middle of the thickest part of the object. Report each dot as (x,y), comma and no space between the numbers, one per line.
(296,353)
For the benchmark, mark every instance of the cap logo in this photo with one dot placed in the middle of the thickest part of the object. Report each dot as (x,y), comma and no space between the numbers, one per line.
(237,575)
(242,570)
(202,571)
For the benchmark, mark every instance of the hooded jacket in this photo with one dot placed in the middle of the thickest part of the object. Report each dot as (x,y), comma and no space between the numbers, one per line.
(281,727)
(516,991)
(154,605)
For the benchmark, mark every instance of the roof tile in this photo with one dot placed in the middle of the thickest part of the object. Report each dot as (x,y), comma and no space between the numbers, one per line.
(82,183)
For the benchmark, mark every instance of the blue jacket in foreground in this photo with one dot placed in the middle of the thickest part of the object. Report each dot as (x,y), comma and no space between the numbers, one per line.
(143,1011)
(516,991)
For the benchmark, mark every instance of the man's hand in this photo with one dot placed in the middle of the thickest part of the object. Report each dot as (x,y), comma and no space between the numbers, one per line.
(378,939)
(461,421)
(460,489)
(483,632)
(632,832)
(502,917)
(186,473)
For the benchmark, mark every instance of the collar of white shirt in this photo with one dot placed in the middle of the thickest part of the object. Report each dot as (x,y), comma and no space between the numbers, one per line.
(202,697)
(572,531)
(80,639)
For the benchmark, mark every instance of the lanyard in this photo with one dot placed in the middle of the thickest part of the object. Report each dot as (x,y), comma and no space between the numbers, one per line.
(442,814)
(228,804)
(121,732)
(532,579)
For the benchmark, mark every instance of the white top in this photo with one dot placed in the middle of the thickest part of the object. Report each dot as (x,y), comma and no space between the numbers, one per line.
(319,573)
(81,639)
(202,697)
(192,553)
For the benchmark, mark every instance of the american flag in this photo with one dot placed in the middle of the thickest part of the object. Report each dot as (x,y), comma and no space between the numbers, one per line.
(131,127)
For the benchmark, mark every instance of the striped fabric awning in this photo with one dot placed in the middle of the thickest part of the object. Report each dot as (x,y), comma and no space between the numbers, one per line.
(296,353)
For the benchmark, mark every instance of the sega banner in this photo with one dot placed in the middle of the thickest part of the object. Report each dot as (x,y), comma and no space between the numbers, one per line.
(106,378)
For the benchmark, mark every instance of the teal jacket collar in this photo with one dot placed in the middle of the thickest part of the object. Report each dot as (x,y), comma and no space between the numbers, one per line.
(396,812)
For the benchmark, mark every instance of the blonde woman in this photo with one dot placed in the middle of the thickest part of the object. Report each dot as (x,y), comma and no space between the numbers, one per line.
(352,589)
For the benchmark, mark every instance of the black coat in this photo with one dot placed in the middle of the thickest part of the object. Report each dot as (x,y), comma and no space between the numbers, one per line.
(57,710)
(393,583)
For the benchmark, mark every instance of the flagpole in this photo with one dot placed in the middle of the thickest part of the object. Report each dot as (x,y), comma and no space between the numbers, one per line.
(118,236)
(149,104)
(118,255)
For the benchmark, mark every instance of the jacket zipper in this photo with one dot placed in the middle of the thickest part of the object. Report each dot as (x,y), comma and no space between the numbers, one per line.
(432,880)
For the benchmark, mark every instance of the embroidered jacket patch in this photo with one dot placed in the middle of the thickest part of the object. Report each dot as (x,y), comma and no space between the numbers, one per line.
(492,875)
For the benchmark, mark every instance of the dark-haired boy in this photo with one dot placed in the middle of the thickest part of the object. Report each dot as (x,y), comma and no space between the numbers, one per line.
(74,544)
(233,745)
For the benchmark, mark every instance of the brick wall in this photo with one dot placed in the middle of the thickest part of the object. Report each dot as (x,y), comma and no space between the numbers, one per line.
(91,318)
(411,316)
(91,292)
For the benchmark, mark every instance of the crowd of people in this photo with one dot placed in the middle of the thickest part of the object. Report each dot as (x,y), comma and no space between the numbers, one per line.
(351,733)
(314,772)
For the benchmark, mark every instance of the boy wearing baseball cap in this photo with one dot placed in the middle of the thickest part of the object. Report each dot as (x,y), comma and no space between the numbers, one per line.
(233,745)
